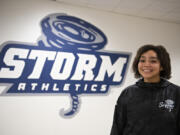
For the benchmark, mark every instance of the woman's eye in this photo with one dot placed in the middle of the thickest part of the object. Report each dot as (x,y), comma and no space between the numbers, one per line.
(142,61)
(153,61)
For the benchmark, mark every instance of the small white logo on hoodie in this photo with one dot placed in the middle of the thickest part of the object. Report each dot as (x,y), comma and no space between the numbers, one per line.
(168,104)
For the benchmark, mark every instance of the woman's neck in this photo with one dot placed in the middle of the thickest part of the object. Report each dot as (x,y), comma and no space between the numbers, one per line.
(156,80)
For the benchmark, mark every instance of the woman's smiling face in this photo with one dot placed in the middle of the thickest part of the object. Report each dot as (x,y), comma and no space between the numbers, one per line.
(149,67)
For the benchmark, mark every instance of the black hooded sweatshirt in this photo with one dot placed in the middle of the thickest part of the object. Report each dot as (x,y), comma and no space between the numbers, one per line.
(148,109)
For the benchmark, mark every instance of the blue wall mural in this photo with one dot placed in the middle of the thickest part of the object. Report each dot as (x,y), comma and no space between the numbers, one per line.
(67,59)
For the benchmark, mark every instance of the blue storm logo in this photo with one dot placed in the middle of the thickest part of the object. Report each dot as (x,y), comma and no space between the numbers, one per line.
(65,60)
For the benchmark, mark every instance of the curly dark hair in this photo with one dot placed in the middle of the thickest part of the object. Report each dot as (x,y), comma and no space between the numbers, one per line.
(163,57)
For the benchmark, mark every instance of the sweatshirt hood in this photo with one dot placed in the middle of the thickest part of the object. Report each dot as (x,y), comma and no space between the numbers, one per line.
(163,83)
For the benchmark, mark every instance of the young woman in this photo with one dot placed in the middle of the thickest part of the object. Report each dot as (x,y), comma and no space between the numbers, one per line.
(152,105)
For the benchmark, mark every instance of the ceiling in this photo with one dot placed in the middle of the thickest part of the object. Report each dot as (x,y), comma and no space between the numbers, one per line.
(164,10)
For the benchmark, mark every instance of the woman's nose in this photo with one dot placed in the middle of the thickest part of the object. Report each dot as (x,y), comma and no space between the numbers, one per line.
(147,63)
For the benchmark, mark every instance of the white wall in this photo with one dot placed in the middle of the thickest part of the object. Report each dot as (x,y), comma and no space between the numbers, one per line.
(34,115)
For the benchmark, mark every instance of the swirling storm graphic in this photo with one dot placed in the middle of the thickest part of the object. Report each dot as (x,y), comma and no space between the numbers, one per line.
(69,32)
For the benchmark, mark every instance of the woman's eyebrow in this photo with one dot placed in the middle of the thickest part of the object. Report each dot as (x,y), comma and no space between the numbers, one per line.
(152,57)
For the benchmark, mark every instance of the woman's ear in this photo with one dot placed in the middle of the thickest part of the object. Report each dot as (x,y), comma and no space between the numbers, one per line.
(161,68)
